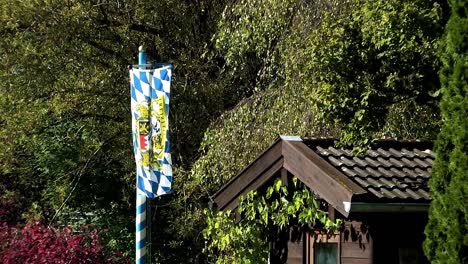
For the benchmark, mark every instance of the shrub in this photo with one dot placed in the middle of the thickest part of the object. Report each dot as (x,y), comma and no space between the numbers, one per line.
(37,243)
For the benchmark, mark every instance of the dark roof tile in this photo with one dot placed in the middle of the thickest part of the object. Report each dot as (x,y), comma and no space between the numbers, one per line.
(374,182)
(348,152)
(409,163)
(347,162)
(413,194)
(407,153)
(375,192)
(399,184)
(422,173)
(422,163)
(424,194)
(422,154)
(372,162)
(430,152)
(384,153)
(336,152)
(373,172)
(334,161)
(361,172)
(396,163)
(387,183)
(429,161)
(362,182)
(373,153)
(398,173)
(395,153)
(400,193)
(410,173)
(413,181)
(388,194)
(385,172)
(323,152)
(349,172)
(384,162)
(360,162)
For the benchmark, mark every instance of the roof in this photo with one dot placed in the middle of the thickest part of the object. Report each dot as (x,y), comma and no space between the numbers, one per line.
(392,171)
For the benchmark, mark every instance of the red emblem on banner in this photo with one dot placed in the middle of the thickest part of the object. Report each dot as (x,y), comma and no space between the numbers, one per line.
(143,142)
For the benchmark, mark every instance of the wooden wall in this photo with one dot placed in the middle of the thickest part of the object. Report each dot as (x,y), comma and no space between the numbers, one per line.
(397,235)
(356,244)
(390,239)
(295,252)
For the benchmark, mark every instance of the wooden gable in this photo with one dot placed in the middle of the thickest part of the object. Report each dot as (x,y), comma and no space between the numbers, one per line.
(291,154)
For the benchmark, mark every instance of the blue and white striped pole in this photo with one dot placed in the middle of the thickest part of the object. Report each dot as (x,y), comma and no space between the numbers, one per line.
(140,221)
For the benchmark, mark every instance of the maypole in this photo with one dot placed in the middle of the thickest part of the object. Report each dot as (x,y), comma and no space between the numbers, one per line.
(150,93)
(140,222)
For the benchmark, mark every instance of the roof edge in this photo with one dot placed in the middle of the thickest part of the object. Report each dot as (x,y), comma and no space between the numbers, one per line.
(322,178)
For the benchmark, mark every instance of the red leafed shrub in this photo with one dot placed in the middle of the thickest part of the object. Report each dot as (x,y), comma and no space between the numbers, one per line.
(36,243)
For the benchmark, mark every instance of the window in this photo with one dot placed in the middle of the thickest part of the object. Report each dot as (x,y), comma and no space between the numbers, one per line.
(326,253)
(324,249)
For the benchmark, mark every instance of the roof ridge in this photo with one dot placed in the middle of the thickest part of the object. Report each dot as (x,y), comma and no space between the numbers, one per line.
(384,144)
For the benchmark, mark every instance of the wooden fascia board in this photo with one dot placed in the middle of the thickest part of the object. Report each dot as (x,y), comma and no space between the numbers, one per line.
(321,177)
(257,183)
(229,193)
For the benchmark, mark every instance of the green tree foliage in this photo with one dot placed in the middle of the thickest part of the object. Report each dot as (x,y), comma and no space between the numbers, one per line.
(447,230)
(65,87)
(64,102)
(362,63)
(263,216)
(357,58)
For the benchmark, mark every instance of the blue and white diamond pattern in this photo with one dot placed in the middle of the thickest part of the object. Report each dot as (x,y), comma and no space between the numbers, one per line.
(146,87)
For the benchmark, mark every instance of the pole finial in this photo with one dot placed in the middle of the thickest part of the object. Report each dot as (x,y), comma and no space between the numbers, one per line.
(141,48)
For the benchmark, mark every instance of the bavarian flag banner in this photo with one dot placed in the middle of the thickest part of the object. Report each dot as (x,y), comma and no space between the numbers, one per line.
(150,91)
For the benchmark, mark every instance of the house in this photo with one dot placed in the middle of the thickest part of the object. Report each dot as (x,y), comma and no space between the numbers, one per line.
(382,197)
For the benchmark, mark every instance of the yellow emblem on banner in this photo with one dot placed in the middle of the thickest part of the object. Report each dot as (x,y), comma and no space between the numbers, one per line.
(158,137)
(152,131)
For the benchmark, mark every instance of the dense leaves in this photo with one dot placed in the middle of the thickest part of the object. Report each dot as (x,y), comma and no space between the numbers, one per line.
(447,230)
(381,53)
(356,58)
(295,101)
(64,103)
(36,243)
(263,216)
